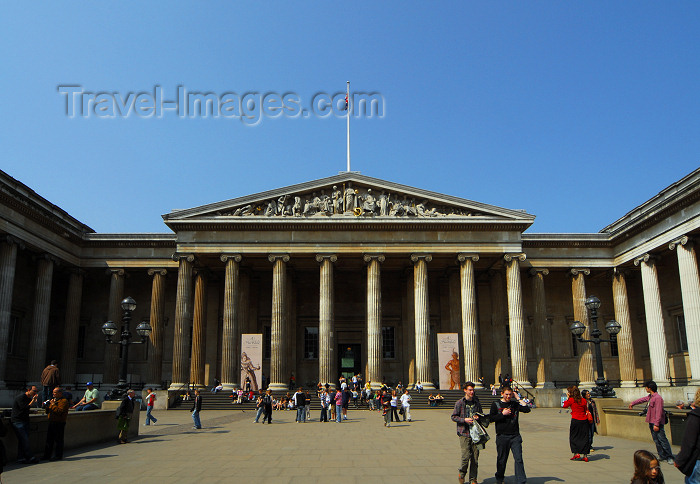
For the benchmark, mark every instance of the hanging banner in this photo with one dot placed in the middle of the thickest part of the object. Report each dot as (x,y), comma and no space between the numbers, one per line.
(448,359)
(251,361)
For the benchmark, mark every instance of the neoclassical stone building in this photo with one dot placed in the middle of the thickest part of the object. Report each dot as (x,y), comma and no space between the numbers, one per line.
(350,274)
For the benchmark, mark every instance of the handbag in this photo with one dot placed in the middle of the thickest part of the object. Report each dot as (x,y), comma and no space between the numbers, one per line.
(589,416)
(478,434)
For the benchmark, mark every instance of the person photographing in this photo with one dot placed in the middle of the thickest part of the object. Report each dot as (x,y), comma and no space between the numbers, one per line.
(506,413)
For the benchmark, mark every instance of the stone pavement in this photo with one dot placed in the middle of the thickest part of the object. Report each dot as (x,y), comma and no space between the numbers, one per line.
(230,447)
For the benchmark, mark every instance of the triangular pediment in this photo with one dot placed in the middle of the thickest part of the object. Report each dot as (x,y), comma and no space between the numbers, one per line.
(346,195)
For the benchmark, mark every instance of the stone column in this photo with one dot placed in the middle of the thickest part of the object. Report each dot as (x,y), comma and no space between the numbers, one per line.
(658,352)
(516,322)
(543,331)
(625,347)
(585,360)
(498,325)
(470,335)
(69,354)
(199,329)
(327,372)
(230,357)
(157,322)
(114,314)
(40,320)
(690,292)
(183,317)
(374,318)
(420,295)
(8,262)
(279,330)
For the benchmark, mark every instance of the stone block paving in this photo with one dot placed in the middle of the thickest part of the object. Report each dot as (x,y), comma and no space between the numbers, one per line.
(231,448)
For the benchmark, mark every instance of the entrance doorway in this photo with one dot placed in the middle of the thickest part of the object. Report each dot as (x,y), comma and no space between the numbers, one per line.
(349,359)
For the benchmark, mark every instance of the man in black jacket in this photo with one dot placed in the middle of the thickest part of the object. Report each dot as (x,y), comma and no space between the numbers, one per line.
(124,413)
(20,423)
(688,459)
(505,413)
(196,408)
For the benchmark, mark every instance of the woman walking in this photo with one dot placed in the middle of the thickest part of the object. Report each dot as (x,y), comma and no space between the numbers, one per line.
(579,439)
(593,409)
(394,406)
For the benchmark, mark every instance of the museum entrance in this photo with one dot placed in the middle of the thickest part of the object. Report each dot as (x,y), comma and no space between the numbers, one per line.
(349,359)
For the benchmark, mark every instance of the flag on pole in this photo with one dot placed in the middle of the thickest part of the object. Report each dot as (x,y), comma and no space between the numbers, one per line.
(346,102)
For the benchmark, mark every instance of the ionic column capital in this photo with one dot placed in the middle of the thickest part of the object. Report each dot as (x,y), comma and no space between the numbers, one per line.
(330,257)
(370,257)
(157,270)
(416,257)
(276,257)
(113,271)
(509,257)
(233,257)
(462,257)
(539,270)
(575,271)
(48,257)
(648,258)
(177,257)
(11,239)
(679,241)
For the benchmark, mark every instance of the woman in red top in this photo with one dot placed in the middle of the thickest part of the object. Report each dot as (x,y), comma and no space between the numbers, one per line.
(579,429)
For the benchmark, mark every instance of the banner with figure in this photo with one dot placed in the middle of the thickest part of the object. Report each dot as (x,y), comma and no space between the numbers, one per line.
(251,361)
(448,359)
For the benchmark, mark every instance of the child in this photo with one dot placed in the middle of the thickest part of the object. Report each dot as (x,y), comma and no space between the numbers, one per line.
(646,469)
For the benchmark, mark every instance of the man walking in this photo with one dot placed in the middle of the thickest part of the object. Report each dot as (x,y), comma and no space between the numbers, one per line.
(124,413)
(505,413)
(20,423)
(656,418)
(465,414)
(300,402)
(50,379)
(267,404)
(259,406)
(150,402)
(57,410)
(406,405)
(196,408)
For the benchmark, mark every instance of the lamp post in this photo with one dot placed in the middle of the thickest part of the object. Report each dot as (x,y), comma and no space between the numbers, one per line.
(602,388)
(110,329)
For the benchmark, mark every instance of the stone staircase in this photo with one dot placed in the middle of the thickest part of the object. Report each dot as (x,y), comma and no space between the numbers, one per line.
(222,401)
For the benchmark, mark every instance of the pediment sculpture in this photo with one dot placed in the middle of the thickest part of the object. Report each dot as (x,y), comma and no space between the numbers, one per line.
(347,200)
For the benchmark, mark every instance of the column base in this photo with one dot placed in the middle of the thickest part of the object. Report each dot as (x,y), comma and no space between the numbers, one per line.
(230,386)
(693,383)
(628,384)
(545,384)
(428,386)
(278,387)
(663,383)
(178,387)
(586,384)
(155,386)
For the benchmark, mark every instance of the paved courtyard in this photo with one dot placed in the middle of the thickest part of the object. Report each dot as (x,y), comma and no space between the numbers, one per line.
(230,447)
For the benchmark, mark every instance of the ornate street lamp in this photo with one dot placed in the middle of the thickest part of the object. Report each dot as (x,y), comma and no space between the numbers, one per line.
(602,388)
(110,329)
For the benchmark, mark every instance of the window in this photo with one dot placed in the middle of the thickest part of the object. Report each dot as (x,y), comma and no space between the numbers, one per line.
(267,342)
(81,341)
(311,342)
(13,336)
(682,336)
(574,345)
(388,343)
(613,345)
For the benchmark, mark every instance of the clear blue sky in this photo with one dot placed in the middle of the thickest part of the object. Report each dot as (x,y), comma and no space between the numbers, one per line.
(574,111)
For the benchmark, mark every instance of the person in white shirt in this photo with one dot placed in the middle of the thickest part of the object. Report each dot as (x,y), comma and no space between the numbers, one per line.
(406,405)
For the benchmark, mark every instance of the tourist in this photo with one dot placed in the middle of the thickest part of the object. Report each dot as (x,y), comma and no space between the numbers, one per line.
(506,413)
(124,414)
(50,379)
(150,402)
(419,387)
(646,469)
(386,408)
(439,399)
(259,406)
(656,418)
(431,400)
(267,404)
(20,423)
(346,402)
(196,408)
(465,413)
(90,400)
(394,402)
(325,403)
(300,403)
(688,459)
(338,399)
(57,411)
(579,440)
(406,405)
(593,409)
(217,388)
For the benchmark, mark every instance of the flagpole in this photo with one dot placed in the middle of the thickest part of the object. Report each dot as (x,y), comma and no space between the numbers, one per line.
(347,96)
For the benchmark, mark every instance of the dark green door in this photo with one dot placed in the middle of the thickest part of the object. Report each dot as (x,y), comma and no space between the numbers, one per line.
(349,360)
